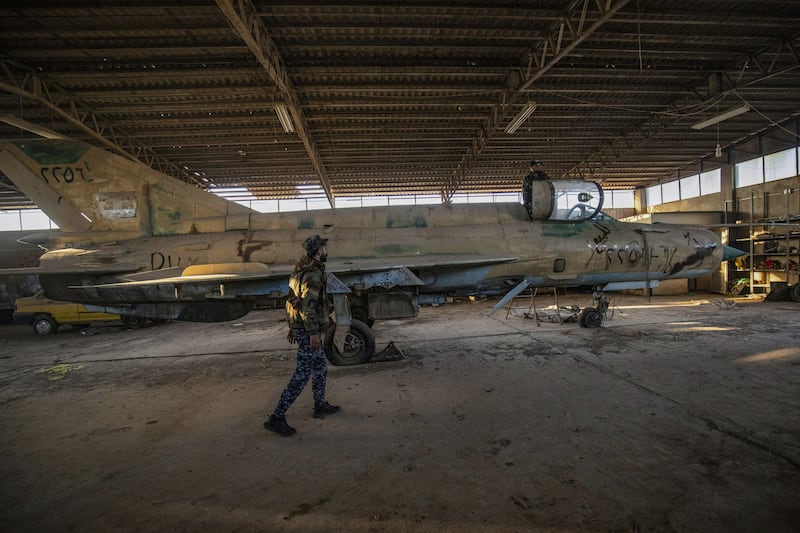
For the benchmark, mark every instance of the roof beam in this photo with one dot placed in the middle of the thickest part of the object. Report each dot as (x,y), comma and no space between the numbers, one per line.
(26,84)
(658,122)
(562,38)
(245,21)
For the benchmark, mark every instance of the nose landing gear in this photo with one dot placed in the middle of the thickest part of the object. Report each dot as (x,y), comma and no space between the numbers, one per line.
(593,317)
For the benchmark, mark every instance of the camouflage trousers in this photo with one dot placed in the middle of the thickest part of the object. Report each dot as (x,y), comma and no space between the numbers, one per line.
(310,364)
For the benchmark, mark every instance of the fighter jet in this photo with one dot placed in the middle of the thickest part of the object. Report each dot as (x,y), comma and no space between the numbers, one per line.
(134,241)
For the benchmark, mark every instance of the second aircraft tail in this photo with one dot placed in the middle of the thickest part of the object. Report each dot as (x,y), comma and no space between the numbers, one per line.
(86,189)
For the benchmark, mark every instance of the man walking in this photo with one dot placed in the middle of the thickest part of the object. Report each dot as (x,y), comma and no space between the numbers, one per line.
(307,314)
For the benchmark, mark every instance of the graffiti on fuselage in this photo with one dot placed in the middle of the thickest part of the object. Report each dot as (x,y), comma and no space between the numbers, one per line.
(664,258)
(603,235)
(611,254)
(66,174)
(694,260)
(159,260)
(247,246)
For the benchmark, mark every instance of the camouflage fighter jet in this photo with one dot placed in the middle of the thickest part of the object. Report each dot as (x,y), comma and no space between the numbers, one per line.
(134,241)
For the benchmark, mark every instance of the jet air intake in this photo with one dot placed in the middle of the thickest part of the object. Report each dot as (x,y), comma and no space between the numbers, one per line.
(565,200)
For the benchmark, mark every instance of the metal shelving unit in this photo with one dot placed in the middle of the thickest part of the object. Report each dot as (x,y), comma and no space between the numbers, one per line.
(773,247)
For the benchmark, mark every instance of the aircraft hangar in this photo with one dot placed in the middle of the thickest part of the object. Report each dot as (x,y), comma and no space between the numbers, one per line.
(414,98)
(679,414)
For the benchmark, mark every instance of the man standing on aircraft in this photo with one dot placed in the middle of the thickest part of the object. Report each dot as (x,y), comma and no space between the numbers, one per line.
(535,173)
(307,314)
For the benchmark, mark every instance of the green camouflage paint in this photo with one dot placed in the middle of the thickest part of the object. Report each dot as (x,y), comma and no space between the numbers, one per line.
(417,221)
(305,223)
(172,215)
(394,249)
(562,230)
(48,153)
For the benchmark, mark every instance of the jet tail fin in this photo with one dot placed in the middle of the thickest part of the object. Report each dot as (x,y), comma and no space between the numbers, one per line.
(84,188)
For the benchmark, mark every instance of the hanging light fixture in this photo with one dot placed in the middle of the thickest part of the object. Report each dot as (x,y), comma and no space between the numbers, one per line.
(520,119)
(284,118)
(730,113)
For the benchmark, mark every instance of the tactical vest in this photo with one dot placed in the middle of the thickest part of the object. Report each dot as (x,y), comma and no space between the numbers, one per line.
(306,306)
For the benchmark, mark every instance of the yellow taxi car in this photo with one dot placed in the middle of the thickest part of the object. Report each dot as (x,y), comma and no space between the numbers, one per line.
(46,315)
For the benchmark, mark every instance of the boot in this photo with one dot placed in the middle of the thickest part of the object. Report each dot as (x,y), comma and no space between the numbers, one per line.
(324,408)
(278,425)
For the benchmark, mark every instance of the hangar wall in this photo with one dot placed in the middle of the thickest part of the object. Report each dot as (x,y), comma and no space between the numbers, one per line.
(771,200)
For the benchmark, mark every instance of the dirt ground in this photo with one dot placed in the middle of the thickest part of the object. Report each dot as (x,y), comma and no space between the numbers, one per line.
(681,414)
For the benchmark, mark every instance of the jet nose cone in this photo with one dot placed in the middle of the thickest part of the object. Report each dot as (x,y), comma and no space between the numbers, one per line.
(729,252)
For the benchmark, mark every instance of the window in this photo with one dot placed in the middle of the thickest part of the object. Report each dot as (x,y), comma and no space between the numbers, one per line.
(749,172)
(653,195)
(264,206)
(619,199)
(780,165)
(690,187)
(711,181)
(374,201)
(429,199)
(486,198)
(671,191)
(344,202)
(318,203)
(481,198)
(508,197)
(10,221)
(34,219)
(402,200)
(298,204)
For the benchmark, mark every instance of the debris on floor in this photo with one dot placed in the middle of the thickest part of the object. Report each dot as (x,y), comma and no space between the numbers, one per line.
(550,314)
(719,303)
(59,371)
(390,353)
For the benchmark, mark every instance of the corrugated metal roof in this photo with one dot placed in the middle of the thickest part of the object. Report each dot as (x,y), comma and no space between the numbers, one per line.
(409,98)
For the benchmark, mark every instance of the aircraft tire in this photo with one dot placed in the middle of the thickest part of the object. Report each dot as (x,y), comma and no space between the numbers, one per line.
(590,317)
(44,325)
(359,345)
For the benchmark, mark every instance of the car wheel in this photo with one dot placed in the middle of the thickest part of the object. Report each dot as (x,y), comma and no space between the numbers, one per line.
(44,325)
(794,293)
(133,322)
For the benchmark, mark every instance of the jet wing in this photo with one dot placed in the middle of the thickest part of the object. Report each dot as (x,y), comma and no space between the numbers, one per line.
(227,281)
(215,292)
(229,273)
(98,269)
(416,262)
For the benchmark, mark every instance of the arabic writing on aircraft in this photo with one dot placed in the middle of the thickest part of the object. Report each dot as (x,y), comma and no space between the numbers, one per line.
(65,174)
(630,253)
(663,258)
(160,260)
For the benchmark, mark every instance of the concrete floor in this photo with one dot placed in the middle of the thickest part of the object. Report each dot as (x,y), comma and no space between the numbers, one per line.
(681,414)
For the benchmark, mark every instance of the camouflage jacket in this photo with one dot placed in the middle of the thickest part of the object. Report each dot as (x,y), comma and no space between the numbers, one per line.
(307,305)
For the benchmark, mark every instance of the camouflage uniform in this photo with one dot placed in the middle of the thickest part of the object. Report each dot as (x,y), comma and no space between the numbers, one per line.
(307,314)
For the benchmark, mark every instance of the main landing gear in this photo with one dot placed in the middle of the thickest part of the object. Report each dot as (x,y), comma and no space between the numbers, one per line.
(359,345)
(593,317)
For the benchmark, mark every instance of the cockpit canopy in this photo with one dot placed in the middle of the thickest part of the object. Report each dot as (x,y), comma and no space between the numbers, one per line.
(565,200)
